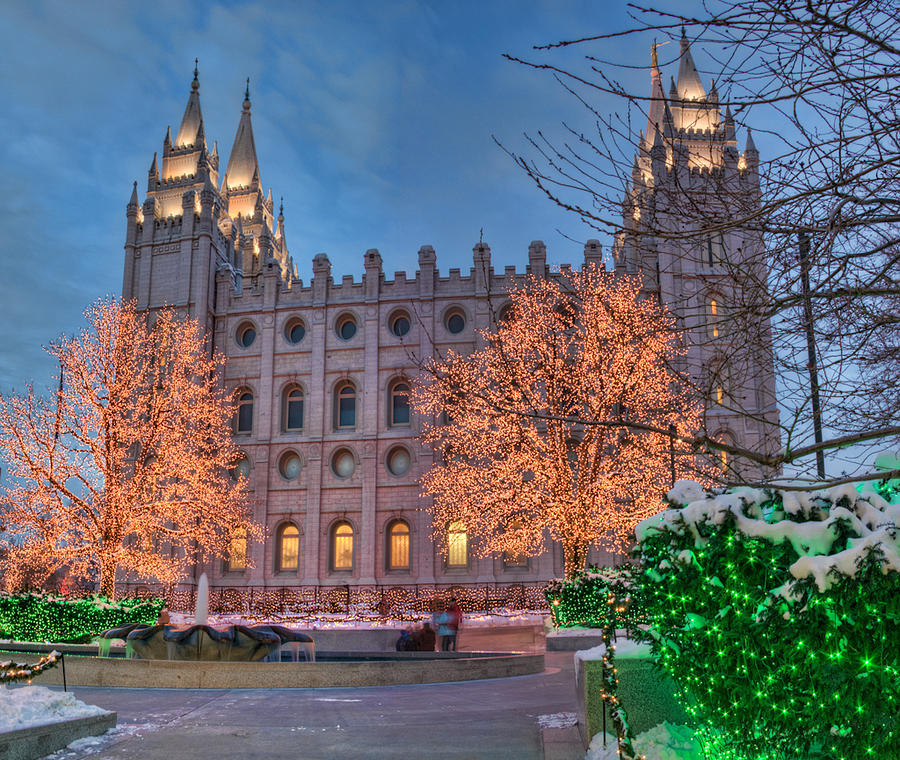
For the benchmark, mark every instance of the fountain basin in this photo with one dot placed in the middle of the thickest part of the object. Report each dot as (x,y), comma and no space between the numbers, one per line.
(331,669)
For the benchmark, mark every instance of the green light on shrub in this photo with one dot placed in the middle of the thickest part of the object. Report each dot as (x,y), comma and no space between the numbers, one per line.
(40,617)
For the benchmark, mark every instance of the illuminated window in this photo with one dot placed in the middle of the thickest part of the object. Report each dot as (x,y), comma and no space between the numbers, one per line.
(288,548)
(346,327)
(715,318)
(398,546)
(293,408)
(237,551)
(457,545)
(720,394)
(244,417)
(342,547)
(400,323)
(345,406)
(399,396)
(723,455)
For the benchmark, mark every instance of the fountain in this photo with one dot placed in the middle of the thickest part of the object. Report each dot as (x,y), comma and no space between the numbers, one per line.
(202,641)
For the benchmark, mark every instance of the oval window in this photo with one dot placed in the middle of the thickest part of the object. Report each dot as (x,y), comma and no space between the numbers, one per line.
(294,331)
(346,328)
(242,468)
(398,461)
(289,466)
(343,463)
(456,322)
(400,324)
(246,335)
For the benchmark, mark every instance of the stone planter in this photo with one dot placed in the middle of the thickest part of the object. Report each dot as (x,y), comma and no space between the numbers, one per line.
(37,741)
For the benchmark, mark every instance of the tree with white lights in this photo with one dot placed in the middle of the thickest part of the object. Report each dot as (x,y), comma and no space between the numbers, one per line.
(128,466)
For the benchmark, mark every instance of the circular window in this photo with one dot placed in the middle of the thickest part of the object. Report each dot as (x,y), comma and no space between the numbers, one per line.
(343,463)
(398,461)
(400,324)
(242,468)
(455,322)
(289,465)
(294,331)
(346,327)
(246,334)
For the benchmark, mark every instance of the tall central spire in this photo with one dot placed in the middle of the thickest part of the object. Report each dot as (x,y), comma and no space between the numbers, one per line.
(689,85)
(243,168)
(192,120)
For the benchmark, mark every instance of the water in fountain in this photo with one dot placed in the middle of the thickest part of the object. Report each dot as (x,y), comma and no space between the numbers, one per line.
(202,610)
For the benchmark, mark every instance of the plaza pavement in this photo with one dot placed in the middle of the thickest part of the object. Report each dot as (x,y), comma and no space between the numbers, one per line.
(468,720)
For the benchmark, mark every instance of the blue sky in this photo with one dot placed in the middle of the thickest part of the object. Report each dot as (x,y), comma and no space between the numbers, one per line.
(374,121)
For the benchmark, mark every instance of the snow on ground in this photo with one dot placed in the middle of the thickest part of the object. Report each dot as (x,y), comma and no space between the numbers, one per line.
(557,720)
(662,742)
(24,706)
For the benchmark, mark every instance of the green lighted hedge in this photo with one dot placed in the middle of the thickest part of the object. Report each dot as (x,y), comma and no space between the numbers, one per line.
(581,602)
(778,615)
(41,617)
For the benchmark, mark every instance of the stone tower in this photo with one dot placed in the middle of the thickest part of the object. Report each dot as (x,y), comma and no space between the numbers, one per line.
(689,184)
(190,225)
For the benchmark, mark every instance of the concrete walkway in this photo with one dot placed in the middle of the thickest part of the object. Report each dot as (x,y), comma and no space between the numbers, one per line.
(495,718)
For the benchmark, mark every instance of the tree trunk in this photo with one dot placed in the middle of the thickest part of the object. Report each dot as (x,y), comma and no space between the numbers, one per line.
(108,567)
(574,557)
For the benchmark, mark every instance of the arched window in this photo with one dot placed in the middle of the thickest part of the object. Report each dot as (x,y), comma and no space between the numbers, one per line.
(457,545)
(292,416)
(399,396)
(287,548)
(237,551)
(398,545)
(243,422)
(345,406)
(241,467)
(342,546)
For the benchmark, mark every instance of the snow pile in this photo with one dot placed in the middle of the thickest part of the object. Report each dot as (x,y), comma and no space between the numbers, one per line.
(34,705)
(663,742)
(558,720)
(625,649)
(811,522)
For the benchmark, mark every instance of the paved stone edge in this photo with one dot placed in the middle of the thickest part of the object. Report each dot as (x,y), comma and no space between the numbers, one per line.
(37,741)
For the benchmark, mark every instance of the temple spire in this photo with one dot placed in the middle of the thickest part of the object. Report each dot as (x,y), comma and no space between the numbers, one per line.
(656,111)
(243,168)
(192,121)
(689,85)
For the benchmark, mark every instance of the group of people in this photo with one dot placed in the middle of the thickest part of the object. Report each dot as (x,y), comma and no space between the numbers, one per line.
(442,631)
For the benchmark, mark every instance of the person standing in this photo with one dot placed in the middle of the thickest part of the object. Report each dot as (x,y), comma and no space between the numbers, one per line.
(446,634)
(455,613)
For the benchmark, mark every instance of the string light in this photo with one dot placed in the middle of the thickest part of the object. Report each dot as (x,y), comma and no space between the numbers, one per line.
(43,617)
(515,461)
(812,671)
(23,671)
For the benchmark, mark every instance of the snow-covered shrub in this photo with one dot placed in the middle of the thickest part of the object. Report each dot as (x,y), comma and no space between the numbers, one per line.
(44,617)
(583,601)
(778,615)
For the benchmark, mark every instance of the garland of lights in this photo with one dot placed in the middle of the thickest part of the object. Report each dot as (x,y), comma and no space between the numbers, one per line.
(787,643)
(23,671)
(44,617)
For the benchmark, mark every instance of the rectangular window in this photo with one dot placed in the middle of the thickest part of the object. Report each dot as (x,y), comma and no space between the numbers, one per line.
(290,552)
(457,546)
(237,552)
(295,415)
(343,552)
(399,551)
(347,412)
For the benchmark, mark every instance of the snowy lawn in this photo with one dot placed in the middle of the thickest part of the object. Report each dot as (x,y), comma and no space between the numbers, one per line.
(25,706)
(663,742)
